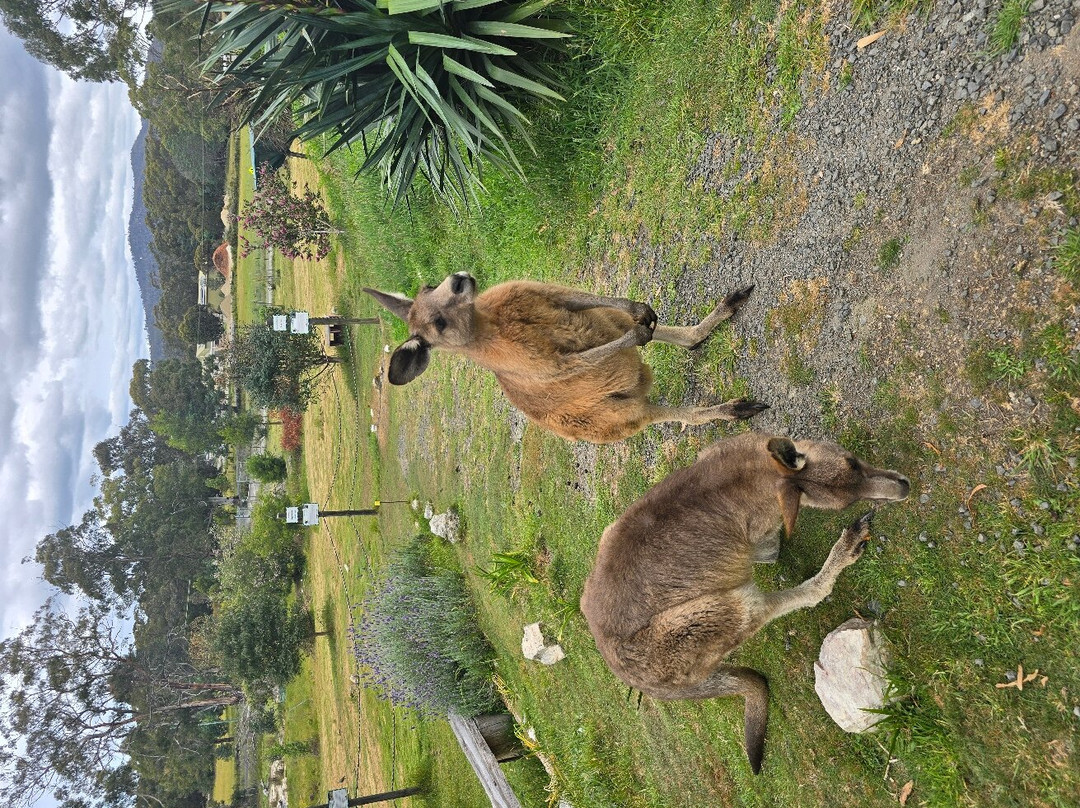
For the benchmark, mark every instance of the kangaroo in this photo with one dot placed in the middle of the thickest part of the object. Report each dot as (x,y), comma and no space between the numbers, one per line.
(567,359)
(671,593)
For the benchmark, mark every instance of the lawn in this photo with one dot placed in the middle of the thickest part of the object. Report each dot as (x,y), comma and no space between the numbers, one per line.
(972,582)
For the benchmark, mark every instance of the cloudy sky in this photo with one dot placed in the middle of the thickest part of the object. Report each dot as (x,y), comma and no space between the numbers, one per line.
(71,320)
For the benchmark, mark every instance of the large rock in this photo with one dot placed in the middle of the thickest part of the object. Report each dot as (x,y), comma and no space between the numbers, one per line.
(446,525)
(533,646)
(849,675)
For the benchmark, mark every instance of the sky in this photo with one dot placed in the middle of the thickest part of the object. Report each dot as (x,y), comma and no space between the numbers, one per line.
(71,319)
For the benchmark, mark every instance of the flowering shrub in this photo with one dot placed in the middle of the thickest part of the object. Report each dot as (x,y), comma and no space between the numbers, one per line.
(295,224)
(292,430)
(419,641)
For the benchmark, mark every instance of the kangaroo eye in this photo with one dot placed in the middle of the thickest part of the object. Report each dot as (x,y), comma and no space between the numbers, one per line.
(440,324)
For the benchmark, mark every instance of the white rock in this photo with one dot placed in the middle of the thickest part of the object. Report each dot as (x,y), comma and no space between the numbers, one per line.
(849,675)
(446,525)
(429,510)
(532,643)
(551,654)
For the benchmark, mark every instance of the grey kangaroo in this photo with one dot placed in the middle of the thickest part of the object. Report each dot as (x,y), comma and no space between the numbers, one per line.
(671,593)
(567,359)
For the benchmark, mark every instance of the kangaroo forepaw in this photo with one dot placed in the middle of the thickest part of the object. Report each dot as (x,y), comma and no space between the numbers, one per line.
(738,297)
(856,537)
(643,314)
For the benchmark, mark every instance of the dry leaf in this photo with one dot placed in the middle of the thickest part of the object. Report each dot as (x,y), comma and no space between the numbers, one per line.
(905,792)
(869,40)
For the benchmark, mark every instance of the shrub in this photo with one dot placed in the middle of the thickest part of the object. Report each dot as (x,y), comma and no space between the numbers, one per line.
(419,641)
(422,86)
(267,468)
(292,430)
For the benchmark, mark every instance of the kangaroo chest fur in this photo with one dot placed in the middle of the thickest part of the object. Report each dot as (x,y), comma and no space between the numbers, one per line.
(532,342)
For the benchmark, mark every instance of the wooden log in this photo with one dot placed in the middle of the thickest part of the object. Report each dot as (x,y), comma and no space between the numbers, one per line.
(483,762)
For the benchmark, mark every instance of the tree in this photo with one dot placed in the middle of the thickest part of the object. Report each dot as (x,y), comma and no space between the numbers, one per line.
(84,557)
(295,224)
(72,690)
(260,637)
(267,468)
(278,369)
(201,324)
(180,402)
(240,428)
(94,40)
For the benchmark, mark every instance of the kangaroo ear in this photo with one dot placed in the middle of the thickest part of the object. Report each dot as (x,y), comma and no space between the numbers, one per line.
(785,453)
(790,498)
(396,304)
(408,361)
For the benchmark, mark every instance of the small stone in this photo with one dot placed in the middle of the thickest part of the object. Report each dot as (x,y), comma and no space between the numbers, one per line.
(532,643)
(1057,112)
(924,498)
(551,654)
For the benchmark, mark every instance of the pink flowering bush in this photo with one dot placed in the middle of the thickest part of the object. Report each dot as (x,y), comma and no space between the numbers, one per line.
(294,223)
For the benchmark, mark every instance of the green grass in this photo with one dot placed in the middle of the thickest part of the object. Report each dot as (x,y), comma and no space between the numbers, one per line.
(247,270)
(961,612)
(890,253)
(1006,30)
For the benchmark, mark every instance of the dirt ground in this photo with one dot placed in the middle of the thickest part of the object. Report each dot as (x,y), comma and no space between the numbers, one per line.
(918,232)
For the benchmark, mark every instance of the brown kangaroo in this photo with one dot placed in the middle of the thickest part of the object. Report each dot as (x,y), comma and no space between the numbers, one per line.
(567,359)
(671,593)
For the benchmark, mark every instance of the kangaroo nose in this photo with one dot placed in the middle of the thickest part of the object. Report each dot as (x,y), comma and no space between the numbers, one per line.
(460,281)
(905,486)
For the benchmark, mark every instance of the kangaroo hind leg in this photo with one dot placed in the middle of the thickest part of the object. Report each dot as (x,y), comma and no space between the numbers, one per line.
(738,409)
(691,336)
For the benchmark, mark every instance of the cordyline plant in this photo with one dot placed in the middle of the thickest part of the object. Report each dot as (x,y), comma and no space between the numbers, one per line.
(423,86)
(294,223)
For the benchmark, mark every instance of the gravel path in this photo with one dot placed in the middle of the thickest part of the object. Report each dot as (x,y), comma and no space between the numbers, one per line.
(899,149)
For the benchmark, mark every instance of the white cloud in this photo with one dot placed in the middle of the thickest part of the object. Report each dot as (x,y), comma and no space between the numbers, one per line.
(71,317)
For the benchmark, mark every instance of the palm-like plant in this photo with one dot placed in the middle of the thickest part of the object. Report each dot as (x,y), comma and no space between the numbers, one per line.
(429,86)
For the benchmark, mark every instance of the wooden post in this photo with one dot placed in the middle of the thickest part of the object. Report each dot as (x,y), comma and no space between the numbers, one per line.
(338,797)
(343,320)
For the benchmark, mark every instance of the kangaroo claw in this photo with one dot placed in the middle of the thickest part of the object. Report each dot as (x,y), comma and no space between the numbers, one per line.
(744,408)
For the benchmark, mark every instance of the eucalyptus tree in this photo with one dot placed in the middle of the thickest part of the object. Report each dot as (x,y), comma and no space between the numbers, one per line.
(73,689)
(93,40)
